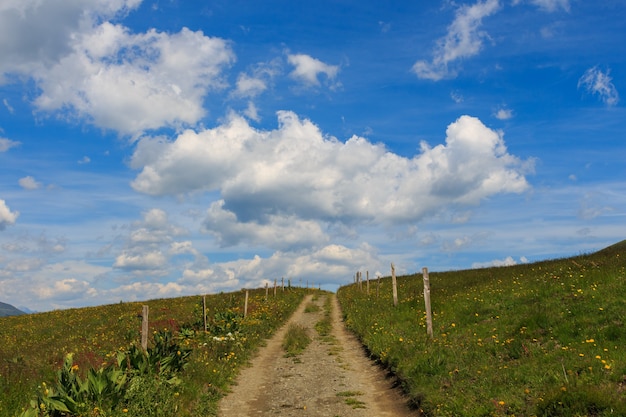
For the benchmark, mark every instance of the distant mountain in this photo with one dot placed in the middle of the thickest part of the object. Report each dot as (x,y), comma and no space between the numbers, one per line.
(9,310)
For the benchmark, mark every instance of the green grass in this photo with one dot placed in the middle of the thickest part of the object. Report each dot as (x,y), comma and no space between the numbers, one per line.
(311,308)
(324,326)
(545,339)
(350,400)
(33,347)
(296,340)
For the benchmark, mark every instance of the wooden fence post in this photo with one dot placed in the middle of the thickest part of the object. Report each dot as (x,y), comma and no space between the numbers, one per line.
(267,290)
(204,312)
(395,285)
(275,283)
(282,283)
(367,275)
(245,306)
(144,328)
(429,314)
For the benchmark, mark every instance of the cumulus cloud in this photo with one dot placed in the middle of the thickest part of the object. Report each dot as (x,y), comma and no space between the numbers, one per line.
(29,183)
(105,74)
(35,34)
(463,40)
(295,176)
(599,83)
(151,243)
(308,69)
(6,144)
(7,217)
(280,232)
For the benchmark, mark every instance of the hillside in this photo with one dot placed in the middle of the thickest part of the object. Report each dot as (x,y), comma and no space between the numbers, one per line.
(540,339)
(9,310)
(37,348)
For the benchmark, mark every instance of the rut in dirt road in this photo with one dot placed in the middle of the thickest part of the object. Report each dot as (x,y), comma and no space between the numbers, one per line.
(332,377)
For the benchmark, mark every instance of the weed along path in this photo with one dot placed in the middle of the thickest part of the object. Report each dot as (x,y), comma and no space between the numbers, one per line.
(331,377)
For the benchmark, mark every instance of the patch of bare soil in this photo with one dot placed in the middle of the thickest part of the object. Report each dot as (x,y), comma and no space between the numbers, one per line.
(333,377)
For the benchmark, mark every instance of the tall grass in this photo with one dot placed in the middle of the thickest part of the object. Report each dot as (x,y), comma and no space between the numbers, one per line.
(544,339)
(33,347)
(296,340)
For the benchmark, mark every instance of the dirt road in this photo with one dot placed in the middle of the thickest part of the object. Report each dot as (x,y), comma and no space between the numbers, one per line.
(332,377)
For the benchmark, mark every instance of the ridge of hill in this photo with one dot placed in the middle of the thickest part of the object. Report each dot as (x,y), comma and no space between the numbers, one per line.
(9,310)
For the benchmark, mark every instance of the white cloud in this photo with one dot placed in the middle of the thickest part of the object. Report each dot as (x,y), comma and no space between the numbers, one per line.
(252,112)
(8,106)
(7,217)
(463,40)
(508,261)
(64,289)
(248,86)
(29,183)
(6,144)
(141,261)
(596,82)
(151,244)
(105,74)
(456,97)
(308,69)
(35,34)
(297,177)
(258,79)
(280,232)
(130,83)
(503,114)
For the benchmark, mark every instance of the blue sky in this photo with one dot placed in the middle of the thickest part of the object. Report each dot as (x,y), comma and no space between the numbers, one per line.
(163,148)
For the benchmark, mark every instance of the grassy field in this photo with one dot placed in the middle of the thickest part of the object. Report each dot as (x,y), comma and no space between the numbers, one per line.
(541,339)
(34,347)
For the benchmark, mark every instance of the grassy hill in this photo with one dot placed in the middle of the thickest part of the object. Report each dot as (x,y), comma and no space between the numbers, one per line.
(9,310)
(541,339)
(34,351)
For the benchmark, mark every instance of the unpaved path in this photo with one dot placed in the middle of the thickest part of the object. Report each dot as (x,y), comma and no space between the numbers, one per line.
(333,377)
